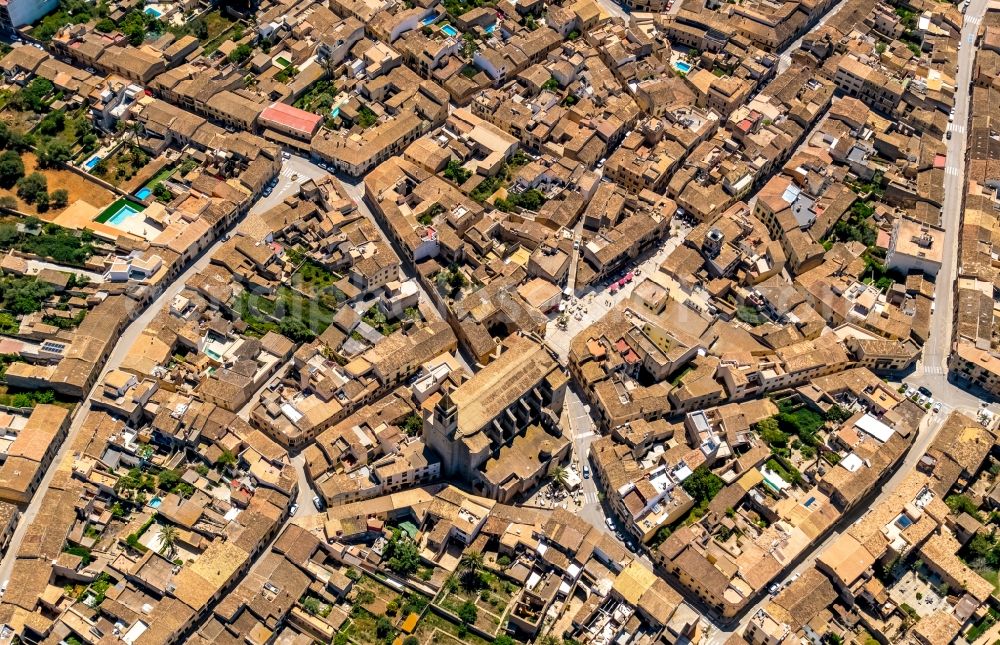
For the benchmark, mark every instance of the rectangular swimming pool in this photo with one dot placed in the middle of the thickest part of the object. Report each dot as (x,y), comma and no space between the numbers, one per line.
(143,193)
(153,12)
(126,211)
(429,19)
(449,30)
(682,66)
(122,209)
(93,161)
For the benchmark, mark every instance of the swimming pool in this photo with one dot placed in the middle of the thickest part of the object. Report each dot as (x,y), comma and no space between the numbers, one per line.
(155,502)
(93,161)
(490,29)
(335,112)
(429,20)
(682,66)
(284,62)
(143,193)
(153,12)
(449,30)
(126,211)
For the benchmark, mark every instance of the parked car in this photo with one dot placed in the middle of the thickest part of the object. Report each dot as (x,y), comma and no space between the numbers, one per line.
(318,503)
(610,523)
(586,472)
(293,509)
(937,407)
(923,390)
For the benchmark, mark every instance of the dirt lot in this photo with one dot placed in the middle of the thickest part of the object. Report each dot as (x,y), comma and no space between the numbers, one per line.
(78,187)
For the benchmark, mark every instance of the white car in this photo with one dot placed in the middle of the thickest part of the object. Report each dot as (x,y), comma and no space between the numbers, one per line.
(294,509)
(610,523)
(318,503)
(937,407)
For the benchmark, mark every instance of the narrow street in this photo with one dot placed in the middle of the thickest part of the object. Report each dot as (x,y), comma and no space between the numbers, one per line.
(932,372)
(63,457)
(785,58)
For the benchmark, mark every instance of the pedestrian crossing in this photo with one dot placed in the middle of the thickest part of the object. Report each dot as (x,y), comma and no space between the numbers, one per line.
(951,171)
(589,497)
(973,20)
(934,369)
(957,128)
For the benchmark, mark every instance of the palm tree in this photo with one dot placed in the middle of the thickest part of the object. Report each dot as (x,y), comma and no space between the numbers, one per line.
(560,476)
(168,536)
(470,564)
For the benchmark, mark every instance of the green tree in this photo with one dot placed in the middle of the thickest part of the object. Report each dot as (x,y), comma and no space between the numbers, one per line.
(296,330)
(366,117)
(455,172)
(470,565)
(227,458)
(383,627)
(702,485)
(53,153)
(413,424)
(162,193)
(769,432)
(168,538)
(60,197)
(240,53)
(168,479)
(560,476)
(312,605)
(11,168)
(402,554)
(468,612)
(105,26)
(30,187)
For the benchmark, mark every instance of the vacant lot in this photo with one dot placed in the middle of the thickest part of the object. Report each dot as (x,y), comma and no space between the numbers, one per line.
(78,187)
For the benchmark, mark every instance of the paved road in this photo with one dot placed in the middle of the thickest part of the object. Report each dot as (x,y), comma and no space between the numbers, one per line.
(932,370)
(127,339)
(300,168)
(785,58)
(596,300)
(932,373)
(615,10)
(355,188)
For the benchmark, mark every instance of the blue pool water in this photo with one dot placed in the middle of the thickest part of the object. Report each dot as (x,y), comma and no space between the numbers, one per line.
(809,502)
(93,162)
(153,12)
(682,66)
(155,502)
(125,212)
(448,29)
(143,193)
(335,112)
(904,521)
(429,19)
(490,29)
